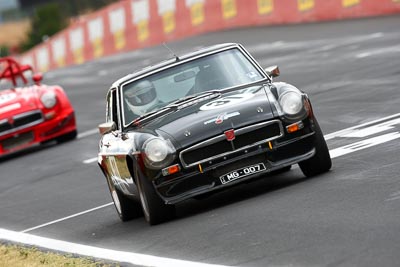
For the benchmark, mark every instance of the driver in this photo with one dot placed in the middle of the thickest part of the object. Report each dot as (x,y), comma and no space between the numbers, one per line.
(141,97)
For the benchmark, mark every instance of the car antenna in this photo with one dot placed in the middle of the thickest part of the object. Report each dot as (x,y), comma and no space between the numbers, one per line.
(172,52)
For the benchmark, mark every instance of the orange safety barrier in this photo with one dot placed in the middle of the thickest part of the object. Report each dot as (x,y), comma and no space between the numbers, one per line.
(133,24)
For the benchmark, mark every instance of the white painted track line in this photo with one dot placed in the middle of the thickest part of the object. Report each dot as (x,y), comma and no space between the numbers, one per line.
(91,160)
(341,151)
(66,218)
(344,131)
(87,133)
(101,253)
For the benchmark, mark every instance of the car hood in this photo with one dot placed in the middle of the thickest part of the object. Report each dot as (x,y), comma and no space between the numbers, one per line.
(213,117)
(18,100)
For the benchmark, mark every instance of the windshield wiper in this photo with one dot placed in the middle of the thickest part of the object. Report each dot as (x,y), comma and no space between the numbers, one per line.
(151,115)
(192,99)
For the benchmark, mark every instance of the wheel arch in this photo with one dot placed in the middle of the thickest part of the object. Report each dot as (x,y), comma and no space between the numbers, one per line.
(129,164)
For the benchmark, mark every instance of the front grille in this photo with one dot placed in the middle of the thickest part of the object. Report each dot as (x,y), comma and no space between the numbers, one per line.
(219,146)
(21,121)
(5,126)
(261,134)
(27,118)
(16,141)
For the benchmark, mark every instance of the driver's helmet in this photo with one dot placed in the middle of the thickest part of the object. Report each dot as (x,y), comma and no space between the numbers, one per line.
(141,97)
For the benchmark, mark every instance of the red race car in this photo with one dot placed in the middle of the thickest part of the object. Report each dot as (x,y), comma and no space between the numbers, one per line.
(32,113)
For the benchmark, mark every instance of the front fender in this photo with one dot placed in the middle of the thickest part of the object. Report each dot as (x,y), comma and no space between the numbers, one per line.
(118,172)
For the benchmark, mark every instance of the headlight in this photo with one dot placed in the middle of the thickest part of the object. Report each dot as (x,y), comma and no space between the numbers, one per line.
(158,152)
(48,99)
(291,103)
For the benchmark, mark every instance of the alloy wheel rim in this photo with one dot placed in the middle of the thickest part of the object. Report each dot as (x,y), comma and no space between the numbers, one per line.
(115,198)
(116,201)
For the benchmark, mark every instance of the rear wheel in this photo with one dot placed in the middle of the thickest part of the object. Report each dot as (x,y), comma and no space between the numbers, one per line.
(321,161)
(127,208)
(154,209)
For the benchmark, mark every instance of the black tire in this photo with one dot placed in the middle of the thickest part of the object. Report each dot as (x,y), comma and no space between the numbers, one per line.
(321,162)
(67,137)
(127,208)
(154,209)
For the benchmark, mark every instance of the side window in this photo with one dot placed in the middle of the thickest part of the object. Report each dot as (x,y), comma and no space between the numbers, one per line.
(111,108)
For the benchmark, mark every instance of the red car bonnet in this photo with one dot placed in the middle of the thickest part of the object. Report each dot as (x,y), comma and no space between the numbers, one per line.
(19,100)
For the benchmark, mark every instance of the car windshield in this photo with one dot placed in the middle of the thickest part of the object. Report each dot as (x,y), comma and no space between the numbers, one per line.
(217,71)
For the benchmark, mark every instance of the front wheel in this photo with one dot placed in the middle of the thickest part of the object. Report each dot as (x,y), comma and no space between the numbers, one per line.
(67,137)
(127,208)
(154,209)
(321,161)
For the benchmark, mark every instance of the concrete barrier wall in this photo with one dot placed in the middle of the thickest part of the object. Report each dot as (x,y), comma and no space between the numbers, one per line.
(133,24)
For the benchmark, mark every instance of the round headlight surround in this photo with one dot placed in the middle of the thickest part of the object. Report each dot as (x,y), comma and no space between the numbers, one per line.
(158,152)
(292,103)
(48,99)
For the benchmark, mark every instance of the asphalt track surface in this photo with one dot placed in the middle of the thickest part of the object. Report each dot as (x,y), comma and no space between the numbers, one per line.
(346,217)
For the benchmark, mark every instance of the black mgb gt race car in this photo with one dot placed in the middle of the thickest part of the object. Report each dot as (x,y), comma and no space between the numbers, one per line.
(201,122)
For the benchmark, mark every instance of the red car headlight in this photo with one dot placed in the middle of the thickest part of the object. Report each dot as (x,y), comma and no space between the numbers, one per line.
(48,99)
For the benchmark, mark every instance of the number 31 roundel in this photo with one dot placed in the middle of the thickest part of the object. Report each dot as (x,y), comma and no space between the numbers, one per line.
(226,101)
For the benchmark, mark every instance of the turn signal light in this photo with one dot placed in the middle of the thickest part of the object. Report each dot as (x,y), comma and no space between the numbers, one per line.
(294,127)
(50,115)
(171,170)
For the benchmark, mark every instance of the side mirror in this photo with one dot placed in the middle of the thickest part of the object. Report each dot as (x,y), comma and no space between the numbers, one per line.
(272,71)
(107,127)
(37,78)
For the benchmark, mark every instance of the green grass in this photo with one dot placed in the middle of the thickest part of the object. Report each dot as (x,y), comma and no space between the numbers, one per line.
(19,256)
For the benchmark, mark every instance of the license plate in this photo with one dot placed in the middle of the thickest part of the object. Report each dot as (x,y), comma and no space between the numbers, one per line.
(243,172)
